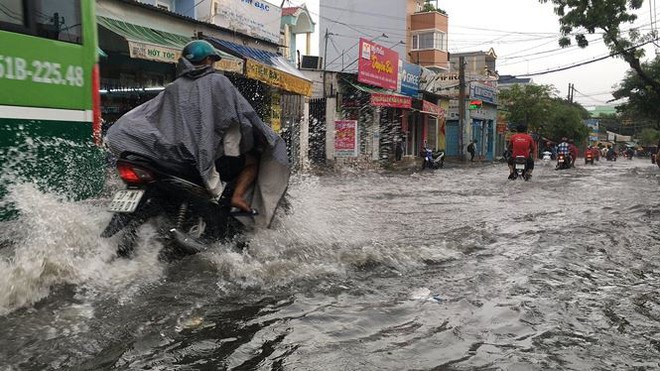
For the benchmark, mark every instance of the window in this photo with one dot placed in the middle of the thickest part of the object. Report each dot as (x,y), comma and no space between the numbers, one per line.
(51,19)
(12,12)
(429,40)
(58,20)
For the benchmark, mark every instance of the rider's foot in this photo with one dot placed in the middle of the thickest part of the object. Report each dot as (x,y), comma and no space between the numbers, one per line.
(512,176)
(240,203)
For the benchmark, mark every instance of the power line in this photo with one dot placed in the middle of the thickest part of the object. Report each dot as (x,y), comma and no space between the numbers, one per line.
(558,69)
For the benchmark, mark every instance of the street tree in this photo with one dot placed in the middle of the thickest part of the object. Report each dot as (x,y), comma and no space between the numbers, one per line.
(539,108)
(580,17)
(528,104)
(566,119)
(648,137)
(641,102)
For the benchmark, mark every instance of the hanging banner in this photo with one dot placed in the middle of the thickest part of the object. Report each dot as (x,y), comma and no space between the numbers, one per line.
(378,65)
(390,100)
(346,138)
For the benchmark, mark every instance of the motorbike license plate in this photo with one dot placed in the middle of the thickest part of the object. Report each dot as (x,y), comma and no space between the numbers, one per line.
(126,201)
(520,166)
(561,160)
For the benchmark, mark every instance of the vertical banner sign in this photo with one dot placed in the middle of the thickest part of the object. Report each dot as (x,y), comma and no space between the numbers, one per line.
(346,138)
(378,66)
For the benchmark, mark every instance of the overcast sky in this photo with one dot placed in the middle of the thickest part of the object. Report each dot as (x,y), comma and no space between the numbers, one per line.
(524,35)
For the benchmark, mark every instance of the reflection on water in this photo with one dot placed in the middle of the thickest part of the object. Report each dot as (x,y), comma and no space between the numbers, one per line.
(452,269)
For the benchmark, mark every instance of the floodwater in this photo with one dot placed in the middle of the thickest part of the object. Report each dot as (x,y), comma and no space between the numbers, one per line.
(452,269)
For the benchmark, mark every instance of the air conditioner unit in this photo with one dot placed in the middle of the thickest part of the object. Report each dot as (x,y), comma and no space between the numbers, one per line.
(311,62)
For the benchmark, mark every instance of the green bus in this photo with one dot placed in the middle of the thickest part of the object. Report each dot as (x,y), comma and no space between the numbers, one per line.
(50,117)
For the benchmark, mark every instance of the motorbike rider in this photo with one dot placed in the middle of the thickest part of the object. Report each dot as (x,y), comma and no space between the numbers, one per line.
(202,121)
(522,144)
(564,149)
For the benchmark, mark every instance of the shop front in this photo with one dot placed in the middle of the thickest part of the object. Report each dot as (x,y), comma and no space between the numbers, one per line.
(139,62)
(483,119)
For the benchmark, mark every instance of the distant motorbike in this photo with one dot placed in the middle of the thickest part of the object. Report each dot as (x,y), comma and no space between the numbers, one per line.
(188,217)
(433,160)
(611,156)
(547,157)
(520,168)
(563,161)
(589,157)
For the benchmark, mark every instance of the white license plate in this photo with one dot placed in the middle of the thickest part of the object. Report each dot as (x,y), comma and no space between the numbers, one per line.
(126,201)
(520,166)
(561,160)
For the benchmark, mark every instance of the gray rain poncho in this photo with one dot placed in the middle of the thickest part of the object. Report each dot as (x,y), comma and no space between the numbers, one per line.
(197,119)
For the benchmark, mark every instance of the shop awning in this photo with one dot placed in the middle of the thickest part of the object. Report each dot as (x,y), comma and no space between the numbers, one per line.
(160,46)
(267,67)
(384,98)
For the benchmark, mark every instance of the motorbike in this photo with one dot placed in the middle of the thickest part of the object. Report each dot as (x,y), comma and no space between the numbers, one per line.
(611,156)
(547,157)
(563,161)
(589,158)
(520,168)
(187,215)
(433,160)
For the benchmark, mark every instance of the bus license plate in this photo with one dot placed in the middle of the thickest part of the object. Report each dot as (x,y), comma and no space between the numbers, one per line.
(126,201)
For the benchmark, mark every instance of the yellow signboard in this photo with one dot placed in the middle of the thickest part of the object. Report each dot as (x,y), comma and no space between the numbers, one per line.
(229,65)
(276,78)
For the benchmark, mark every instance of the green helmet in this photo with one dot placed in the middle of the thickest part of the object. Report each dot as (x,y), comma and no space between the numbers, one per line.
(197,50)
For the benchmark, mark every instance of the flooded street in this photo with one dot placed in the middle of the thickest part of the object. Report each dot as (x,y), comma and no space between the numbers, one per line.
(452,269)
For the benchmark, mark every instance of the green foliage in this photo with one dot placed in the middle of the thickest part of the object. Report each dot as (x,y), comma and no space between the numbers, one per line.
(537,106)
(580,17)
(642,101)
(649,137)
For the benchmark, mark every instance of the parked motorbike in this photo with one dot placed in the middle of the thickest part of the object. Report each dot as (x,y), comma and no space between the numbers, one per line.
(563,161)
(433,160)
(520,168)
(187,215)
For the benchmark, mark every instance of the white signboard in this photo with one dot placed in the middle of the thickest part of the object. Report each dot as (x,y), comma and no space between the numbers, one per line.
(257,18)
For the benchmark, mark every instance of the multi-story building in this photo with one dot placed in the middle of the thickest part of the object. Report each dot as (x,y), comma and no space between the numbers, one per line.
(417,32)
(412,28)
(479,118)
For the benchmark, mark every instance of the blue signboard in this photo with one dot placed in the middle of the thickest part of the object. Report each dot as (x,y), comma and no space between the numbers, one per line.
(483,92)
(409,75)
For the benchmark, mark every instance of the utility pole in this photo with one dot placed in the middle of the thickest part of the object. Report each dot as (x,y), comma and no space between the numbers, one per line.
(571,92)
(325,60)
(461,105)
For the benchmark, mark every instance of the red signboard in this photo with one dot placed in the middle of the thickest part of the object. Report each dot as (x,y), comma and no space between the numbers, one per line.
(433,109)
(378,65)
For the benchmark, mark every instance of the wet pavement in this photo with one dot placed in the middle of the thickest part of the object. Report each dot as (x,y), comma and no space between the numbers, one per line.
(452,269)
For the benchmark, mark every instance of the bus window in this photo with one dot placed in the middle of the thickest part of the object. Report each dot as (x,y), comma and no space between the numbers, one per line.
(59,20)
(12,12)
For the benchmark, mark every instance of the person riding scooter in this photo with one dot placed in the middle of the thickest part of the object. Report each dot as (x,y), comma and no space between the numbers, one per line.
(202,121)
(522,145)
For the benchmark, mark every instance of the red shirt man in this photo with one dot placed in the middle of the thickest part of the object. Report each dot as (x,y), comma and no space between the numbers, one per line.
(522,144)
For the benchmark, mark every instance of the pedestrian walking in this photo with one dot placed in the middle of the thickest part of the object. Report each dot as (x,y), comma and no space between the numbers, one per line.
(470,149)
